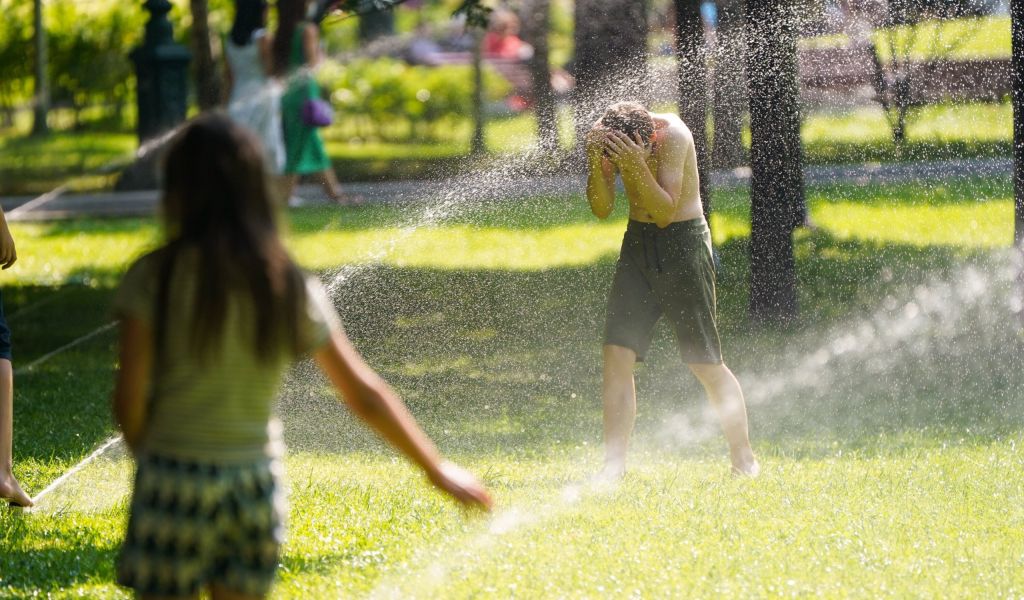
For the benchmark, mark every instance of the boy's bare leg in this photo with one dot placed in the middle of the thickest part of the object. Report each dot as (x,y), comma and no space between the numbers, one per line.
(619,396)
(726,397)
(9,488)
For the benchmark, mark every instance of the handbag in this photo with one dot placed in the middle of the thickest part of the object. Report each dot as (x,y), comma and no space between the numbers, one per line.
(317,112)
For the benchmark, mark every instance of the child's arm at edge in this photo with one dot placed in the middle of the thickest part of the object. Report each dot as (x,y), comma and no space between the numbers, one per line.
(135,361)
(374,401)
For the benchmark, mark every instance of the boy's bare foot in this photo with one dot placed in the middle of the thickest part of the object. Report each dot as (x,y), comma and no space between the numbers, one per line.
(612,473)
(746,469)
(744,462)
(12,492)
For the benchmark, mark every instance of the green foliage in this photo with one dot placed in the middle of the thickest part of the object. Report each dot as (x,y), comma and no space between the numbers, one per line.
(89,63)
(16,55)
(387,98)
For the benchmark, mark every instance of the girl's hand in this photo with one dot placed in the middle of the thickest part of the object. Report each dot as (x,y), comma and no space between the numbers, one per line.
(461,485)
(8,253)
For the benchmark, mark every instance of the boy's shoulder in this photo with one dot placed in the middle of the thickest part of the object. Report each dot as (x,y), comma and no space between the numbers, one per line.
(672,126)
(672,132)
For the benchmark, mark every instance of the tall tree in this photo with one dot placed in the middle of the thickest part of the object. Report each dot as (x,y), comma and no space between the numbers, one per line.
(611,56)
(208,83)
(777,188)
(477,144)
(1017,25)
(536,19)
(730,86)
(691,52)
(41,101)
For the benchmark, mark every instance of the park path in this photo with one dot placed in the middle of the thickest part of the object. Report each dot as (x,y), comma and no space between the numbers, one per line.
(58,205)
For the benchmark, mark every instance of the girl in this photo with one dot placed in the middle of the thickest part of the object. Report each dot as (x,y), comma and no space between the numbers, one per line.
(209,322)
(255,100)
(297,46)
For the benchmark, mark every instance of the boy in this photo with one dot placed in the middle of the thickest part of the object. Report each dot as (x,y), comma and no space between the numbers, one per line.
(665,268)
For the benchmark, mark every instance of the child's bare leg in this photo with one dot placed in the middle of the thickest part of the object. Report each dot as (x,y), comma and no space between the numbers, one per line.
(288,183)
(331,185)
(619,395)
(726,396)
(9,488)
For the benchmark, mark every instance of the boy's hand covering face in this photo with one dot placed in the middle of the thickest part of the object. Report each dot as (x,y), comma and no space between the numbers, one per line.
(625,152)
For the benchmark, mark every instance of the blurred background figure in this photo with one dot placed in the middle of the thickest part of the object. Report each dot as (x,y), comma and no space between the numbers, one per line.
(502,39)
(296,53)
(254,97)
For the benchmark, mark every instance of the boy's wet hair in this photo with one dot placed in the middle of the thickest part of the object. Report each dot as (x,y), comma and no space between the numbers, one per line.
(631,118)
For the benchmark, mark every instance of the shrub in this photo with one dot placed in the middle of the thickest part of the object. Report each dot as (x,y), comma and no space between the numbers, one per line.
(389,99)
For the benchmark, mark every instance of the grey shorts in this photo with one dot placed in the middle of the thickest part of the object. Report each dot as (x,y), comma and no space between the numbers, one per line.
(666,272)
(194,524)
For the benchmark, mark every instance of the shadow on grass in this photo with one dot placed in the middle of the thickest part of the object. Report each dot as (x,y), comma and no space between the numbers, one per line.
(32,563)
(62,404)
(510,361)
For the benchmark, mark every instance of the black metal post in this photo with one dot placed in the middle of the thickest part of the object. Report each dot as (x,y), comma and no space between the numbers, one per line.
(160,72)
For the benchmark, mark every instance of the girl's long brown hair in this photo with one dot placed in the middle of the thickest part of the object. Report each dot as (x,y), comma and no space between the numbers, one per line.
(217,202)
(289,14)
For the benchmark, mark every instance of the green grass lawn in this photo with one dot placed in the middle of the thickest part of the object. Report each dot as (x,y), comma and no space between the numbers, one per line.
(954,39)
(888,420)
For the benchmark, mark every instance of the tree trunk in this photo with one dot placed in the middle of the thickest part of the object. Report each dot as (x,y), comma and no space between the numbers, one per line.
(691,52)
(536,19)
(730,86)
(611,58)
(208,84)
(777,191)
(41,101)
(477,145)
(1017,25)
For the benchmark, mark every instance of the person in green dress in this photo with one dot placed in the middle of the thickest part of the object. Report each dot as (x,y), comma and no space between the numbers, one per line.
(296,51)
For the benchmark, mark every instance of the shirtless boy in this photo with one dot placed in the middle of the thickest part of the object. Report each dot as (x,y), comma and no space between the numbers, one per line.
(665,268)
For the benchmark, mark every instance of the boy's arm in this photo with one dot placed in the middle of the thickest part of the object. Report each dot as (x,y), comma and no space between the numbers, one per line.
(600,176)
(372,399)
(8,253)
(659,196)
(135,361)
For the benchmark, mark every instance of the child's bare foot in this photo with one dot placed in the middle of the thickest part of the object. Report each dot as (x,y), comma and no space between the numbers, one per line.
(746,469)
(344,199)
(12,492)
(612,473)
(744,463)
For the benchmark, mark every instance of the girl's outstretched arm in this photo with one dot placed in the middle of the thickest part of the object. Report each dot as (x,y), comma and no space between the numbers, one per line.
(374,401)
(135,360)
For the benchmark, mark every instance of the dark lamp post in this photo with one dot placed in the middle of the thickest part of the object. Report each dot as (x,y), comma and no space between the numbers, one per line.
(160,72)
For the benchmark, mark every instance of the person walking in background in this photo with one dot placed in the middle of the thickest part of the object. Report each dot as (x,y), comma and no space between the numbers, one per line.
(208,324)
(296,52)
(255,98)
(10,490)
